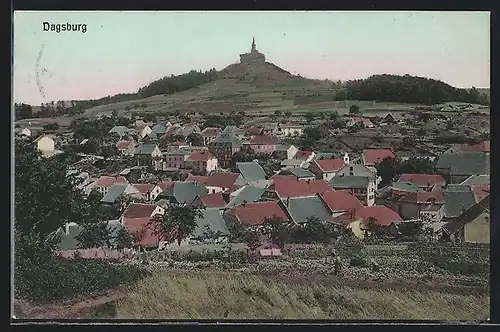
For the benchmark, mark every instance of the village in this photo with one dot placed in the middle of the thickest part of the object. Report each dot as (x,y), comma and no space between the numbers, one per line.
(255,173)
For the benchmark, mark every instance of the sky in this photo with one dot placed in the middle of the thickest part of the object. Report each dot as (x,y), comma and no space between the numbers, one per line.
(123,51)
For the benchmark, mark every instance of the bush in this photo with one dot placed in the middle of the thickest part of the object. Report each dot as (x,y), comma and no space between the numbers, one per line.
(358,261)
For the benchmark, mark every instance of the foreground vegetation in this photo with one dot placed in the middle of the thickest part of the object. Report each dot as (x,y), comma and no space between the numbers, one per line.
(215,295)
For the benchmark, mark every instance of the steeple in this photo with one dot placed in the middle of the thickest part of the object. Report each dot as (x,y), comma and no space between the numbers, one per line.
(253,45)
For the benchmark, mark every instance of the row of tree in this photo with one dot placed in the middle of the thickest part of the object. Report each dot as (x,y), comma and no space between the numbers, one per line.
(408,89)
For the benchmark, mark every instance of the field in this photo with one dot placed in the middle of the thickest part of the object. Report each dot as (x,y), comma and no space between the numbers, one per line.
(411,282)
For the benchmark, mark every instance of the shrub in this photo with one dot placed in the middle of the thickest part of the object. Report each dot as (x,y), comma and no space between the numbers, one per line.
(358,261)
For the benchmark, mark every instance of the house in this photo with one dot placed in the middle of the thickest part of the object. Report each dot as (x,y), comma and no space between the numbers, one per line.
(363,187)
(126,148)
(224,147)
(424,181)
(326,169)
(291,163)
(254,214)
(306,156)
(371,157)
(210,224)
(23,131)
(284,151)
(358,219)
(473,225)
(283,188)
(367,123)
(298,173)
(158,130)
(302,208)
(289,129)
(144,191)
(389,119)
(201,161)
(136,219)
(340,201)
(121,131)
(481,147)
(456,168)
(187,129)
(209,134)
(418,204)
(360,170)
(208,201)
(103,184)
(172,160)
(80,179)
(176,146)
(222,181)
(457,200)
(251,171)
(333,155)
(262,143)
(245,194)
(270,129)
(114,192)
(148,153)
(45,144)
(143,131)
(183,192)
(248,131)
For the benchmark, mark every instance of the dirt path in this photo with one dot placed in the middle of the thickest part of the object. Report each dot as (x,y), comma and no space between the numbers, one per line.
(76,308)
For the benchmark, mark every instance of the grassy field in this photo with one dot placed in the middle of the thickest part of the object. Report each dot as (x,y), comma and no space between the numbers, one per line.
(215,295)
(411,283)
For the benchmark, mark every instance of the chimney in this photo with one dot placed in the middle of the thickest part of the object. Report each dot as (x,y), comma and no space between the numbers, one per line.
(244,203)
(67,228)
(308,181)
(288,202)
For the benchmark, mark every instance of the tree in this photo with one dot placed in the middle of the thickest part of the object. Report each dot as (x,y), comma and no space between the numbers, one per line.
(177,223)
(23,111)
(123,239)
(387,170)
(288,114)
(313,133)
(108,151)
(354,109)
(314,231)
(114,114)
(51,126)
(310,116)
(277,113)
(411,229)
(276,230)
(195,139)
(45,197)
(333,116)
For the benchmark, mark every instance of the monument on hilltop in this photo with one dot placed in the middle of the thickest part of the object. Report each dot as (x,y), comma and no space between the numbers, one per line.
(253,56)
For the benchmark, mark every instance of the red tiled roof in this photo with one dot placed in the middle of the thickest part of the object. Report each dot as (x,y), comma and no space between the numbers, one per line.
(340,200)
(196,178)
(294,188)
(141,225)
(302,155)
(263,140)
(381,213)
(164,185)
(257,213)
(120,145)
(421,196)
(231,189)
(210,132)
(203,155)
(107,181)
(374,156)
(222,179)
(422,180)
(139,210)
(364,121)
(480,191)
(144,188)
(330,165)
(213,200)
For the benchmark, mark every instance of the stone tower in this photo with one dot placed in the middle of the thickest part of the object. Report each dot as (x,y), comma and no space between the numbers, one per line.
(254,56)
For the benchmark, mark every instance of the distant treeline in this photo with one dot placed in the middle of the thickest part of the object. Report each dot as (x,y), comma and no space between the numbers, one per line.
(408,89)
(166,85)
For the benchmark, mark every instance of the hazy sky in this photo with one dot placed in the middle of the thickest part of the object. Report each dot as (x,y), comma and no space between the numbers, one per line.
(123,51)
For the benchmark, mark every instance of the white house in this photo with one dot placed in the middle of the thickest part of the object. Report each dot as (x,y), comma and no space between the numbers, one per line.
(201,161)
(126,148)
(289,129)
(143,131)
